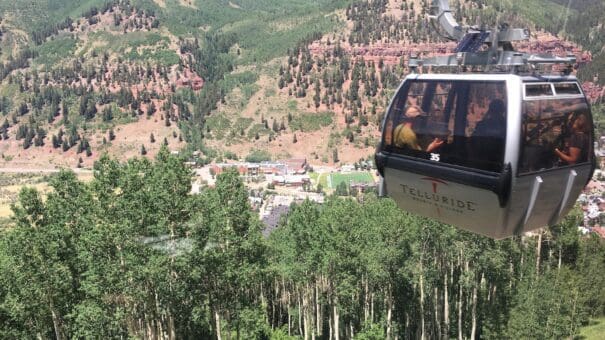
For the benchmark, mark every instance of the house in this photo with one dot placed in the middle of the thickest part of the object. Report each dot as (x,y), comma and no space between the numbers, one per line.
(295,166)
(291,180)
(273,168)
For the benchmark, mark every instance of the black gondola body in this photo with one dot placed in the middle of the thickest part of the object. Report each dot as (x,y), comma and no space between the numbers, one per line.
(495,154)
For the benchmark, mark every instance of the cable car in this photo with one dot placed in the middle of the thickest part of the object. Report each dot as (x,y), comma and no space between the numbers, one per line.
(493,145)
(495,154)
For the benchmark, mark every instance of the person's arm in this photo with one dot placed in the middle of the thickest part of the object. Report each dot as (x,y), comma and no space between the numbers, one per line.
(572,158)
(434,145)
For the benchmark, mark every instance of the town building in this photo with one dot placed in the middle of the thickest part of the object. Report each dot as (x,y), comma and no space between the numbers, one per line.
(295,166)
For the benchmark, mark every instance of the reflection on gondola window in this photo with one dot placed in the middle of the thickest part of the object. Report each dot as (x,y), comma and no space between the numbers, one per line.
(555,131)
(440,120)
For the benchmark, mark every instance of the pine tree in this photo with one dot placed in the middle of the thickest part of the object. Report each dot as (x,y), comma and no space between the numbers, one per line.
(152,109)
(40,135)
(80,146)
(27,141)
(107,114)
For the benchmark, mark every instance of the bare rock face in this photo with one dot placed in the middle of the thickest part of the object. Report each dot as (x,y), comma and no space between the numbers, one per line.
(593,91)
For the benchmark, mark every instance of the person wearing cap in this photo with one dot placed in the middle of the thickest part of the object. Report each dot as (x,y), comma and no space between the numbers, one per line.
(404,135)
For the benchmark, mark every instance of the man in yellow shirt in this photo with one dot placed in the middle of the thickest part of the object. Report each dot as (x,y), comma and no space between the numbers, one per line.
(404,135)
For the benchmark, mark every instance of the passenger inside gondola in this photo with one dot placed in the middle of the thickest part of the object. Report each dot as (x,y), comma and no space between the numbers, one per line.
(577,147)
(405,136)
(556,132)
(488,138)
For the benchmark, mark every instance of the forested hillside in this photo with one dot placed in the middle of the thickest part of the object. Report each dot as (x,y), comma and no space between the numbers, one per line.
(82,78)
(132,254)
(123,76)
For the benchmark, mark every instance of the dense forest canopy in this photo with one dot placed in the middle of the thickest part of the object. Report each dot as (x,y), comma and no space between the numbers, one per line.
(133,254)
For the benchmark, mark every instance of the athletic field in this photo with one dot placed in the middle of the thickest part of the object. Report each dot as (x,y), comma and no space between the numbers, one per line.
(355,177)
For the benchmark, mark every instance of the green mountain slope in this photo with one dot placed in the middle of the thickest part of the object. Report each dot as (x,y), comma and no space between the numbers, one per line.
(226,77)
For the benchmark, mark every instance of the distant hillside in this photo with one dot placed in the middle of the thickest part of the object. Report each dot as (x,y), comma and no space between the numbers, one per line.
(295,78)
(126,76)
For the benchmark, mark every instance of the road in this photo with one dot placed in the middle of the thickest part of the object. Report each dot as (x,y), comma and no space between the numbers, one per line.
(40,171)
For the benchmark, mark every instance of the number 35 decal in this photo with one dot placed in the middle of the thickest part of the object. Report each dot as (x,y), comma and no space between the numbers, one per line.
(435,157)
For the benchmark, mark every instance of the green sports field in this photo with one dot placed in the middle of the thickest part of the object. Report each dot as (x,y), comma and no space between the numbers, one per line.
(356,177)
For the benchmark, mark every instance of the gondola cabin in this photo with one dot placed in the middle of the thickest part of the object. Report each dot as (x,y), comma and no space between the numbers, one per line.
(495,154)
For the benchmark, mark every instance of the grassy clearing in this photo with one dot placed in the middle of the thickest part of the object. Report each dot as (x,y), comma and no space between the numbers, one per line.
(594,331)
(309,122)
(249,90)
(265,28)
(234,80)
(34,15)
(292,105)
(258,129)
(218,125)
(55,50)
(319,178)
(134,45)
(163,57)
(240,125)
(11,185)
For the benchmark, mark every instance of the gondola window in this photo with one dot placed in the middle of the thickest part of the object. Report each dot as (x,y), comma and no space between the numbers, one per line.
(463,122)
(555,131)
